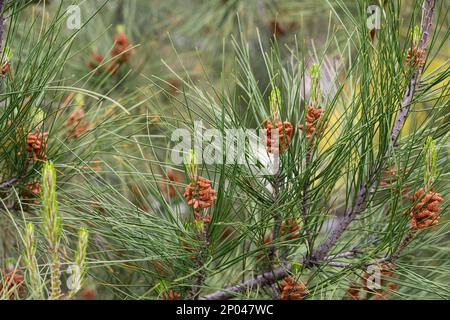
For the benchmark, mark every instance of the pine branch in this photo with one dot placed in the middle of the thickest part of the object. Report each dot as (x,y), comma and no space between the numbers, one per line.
(272,276)
(276,229)
(9,183)
(367,188)
(405,242)
(305,201)
(266,278)
(276,216)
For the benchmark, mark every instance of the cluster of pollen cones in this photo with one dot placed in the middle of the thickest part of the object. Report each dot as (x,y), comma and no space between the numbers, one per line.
(171,295)
(12,283)
(278,143)
(425,212)
(358,291)
(121,47)
(290,228)
(206,219)
(200,194)
(32,191)
(311,120)
(293,290)
(36,143)
(120,53)
(415,57)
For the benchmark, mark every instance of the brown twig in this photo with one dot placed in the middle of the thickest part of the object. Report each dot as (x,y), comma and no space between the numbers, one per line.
(272,276)
(9,183)
(266,278)
(276,216)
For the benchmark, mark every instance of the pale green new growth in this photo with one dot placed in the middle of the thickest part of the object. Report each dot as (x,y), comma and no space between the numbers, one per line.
(275,103)
(430,172)
(51,225)
(191,164)
(314,73)
(31,264)
(79,270)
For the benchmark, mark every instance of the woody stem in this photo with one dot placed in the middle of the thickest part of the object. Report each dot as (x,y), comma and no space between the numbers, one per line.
(9,183)
(305,200)
(405,242)
(276,216)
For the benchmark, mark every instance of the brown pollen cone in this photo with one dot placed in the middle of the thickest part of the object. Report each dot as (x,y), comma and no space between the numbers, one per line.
(390,178)
(276,28)
(33,189)
(96,60)
(13,284)
(426,211)
(292,229)
(171,295)
(311,121)
(206,219)
(88,293)
(36,143)
(415,57)
(285,133)
(293,290)
(121,45)
(5,67)
(354,292)
(199,194)
(387,273)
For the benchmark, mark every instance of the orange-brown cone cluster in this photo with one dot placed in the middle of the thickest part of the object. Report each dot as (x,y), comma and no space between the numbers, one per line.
(12,284)
(34,187)
(77,124)
(354,292)
(36,143)
(121,47)
(285,133)
(293,290)
(171,295)
(169,188)
(311,121)
(96,61)
(88,294)
(358,291)
(206,219)
(425,212)
(6,66)
(390,177)
(291,228)
(276,28)
(387,272)
(199,194)
(32,191)
(415,57)
(121,53)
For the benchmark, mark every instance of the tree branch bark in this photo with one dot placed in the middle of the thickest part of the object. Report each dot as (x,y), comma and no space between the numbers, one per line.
(9,183)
